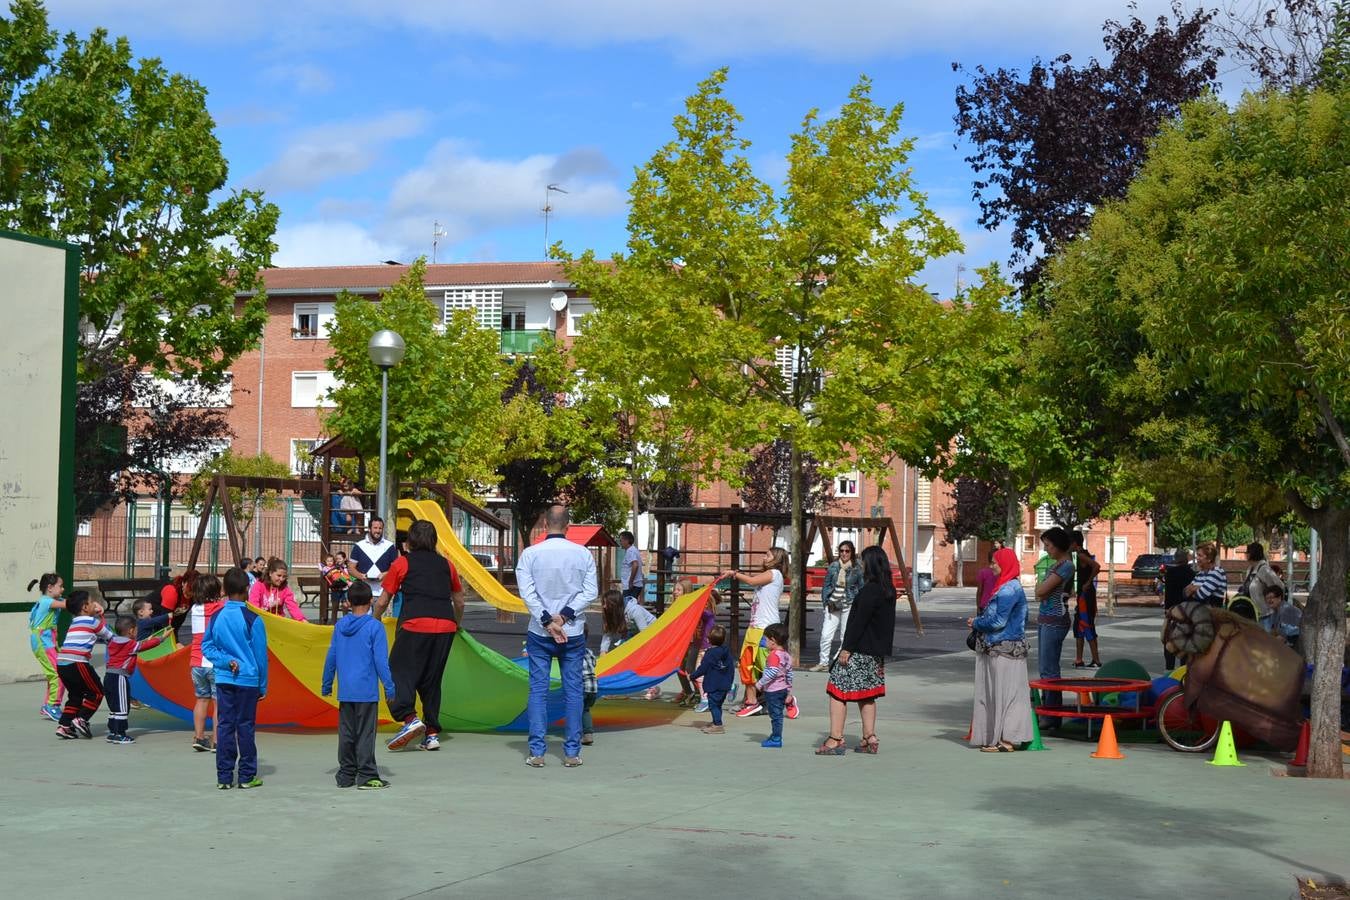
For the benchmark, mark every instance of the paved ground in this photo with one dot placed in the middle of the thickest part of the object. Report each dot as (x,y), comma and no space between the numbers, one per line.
(665,811)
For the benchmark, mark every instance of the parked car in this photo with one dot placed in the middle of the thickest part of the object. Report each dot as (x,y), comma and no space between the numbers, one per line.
(1150,566)
(486,560)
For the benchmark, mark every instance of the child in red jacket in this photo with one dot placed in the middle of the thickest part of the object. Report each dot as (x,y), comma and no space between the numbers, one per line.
(122,650)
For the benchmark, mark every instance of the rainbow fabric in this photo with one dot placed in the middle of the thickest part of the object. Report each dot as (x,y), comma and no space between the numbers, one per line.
(482,690)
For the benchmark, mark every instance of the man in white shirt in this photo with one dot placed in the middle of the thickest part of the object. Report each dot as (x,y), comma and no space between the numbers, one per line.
(632,566)
(371,558)
(557,581)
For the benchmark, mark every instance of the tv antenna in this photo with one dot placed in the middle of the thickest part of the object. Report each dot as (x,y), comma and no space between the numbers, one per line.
(548,208)
(437,232)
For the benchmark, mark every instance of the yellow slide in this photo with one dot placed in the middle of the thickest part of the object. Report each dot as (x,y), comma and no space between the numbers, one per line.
(470,569)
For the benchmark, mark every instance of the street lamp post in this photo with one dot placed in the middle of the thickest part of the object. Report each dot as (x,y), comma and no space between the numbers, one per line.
(386,351)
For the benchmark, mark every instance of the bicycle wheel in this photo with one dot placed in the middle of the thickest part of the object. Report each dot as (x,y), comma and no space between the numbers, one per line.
(1185,729)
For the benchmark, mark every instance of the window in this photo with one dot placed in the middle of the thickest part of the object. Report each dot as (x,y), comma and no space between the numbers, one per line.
(85,528)
(183,522)
(513,319)
(190,463)
(970,549)
(484,303)
(577,311)
(1028,543)
(312,320)
(302,456)
(304,527)
(846,485)
(923,500)
(151,391)
(312,389)
(1043,518)
(1118,551)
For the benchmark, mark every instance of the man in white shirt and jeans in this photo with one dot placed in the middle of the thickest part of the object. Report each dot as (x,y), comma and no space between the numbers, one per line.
(557,581)
(371,558)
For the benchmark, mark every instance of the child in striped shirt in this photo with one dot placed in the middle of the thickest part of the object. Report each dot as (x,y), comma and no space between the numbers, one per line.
(122,650)
(73,666)
(776,682)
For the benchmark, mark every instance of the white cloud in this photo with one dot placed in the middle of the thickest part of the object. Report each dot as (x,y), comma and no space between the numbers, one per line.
(304,78)
(469,193)
(708,29)
(982,247)
(336,150)
(331,244)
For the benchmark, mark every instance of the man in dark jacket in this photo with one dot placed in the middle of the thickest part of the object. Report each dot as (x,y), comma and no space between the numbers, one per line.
(1176,577)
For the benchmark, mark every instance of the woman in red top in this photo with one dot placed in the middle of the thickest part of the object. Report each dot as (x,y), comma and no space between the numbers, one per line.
(176,597)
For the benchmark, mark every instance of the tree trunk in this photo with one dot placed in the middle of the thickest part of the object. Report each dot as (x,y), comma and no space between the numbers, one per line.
(1012,526)
(797,604)
(1323,630)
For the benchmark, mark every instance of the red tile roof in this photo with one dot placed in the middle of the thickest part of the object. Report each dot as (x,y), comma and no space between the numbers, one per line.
(373,278)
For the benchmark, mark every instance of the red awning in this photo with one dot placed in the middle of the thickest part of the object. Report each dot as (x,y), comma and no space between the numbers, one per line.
(587,536)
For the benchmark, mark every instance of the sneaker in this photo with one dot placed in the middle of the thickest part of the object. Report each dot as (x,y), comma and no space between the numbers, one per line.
(772,743)
(793,710)
(819,667)
(120,739)
(348,785)
(534,762)
(254,782)
(82,729)
(571,762)
(713,729)
(431,742)
(653,693)
(373,784)
(587,739)
(201,745)
(136,704)
(224,786)
(702,706)
(50,711)
(752,709)
(66,733)
(412,730)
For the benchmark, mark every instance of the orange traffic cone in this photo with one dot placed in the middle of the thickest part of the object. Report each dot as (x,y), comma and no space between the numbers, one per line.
(1107,748)
(1301,754)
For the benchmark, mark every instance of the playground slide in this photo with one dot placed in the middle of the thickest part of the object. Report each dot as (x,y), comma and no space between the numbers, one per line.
(470,569)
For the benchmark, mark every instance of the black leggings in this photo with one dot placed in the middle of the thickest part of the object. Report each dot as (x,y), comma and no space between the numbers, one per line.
(83,692)
(417,662)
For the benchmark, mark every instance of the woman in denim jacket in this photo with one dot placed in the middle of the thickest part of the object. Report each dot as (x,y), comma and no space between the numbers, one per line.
(843,580)
(1002,716)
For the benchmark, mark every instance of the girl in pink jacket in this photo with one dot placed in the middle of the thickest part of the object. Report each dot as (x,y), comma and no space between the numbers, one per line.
(271,593)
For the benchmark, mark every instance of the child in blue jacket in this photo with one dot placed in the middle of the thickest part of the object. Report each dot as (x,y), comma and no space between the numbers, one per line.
(236,644)
(359,656)
(716,670)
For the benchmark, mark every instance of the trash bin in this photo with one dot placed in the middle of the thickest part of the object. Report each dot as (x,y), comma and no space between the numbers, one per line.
(925,582)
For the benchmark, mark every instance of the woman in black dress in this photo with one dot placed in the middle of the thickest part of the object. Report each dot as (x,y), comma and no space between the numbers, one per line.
(858,674)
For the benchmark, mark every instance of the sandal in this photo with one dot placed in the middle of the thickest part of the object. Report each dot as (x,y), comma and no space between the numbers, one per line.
(996,748)
(1078,664)
(826,750)
(869,744)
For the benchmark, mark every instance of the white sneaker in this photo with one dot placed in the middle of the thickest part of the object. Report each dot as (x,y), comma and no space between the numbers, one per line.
(431,742)
(411,731)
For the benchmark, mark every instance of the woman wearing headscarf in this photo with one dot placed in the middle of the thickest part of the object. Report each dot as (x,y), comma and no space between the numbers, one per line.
(1002,716)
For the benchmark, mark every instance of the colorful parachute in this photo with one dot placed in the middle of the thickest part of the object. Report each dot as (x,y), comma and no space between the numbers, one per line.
(482,690)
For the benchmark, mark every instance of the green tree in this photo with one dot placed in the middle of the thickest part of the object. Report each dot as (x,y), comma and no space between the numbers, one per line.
(445,404)
(796,317)
(246,504)
(119,157)
(1222,275)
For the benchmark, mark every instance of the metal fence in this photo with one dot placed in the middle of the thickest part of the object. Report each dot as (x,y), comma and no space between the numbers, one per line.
(125,541)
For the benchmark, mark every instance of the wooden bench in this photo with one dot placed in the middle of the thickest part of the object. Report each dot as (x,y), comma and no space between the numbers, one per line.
(116,591)
(311,587)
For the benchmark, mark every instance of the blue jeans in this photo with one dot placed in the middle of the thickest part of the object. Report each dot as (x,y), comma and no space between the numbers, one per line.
(1049,645)
(236,718)
(541,652)
(715,701)
(774,702)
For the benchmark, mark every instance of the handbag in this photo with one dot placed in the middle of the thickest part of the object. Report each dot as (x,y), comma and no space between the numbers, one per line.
(972,639)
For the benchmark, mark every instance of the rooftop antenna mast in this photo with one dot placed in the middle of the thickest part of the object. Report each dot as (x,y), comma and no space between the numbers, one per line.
(548,208)
(436,234)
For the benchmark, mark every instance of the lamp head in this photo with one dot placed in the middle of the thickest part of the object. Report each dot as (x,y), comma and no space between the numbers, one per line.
(386,348)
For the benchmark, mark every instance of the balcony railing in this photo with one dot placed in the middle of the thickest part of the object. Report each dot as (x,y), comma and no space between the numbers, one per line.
(521,342)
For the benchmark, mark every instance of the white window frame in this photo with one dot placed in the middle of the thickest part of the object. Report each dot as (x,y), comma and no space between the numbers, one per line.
(577,311)
(85,528)
(848,484)
(324,383)
(295,453)
(298,332)
(1118,551)
(221,397)
(1044,521)
(923,500)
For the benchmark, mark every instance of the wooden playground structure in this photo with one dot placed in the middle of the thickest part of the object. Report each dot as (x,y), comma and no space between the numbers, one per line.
(710,563)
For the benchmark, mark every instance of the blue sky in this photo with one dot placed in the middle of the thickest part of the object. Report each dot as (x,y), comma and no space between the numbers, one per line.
(365,122)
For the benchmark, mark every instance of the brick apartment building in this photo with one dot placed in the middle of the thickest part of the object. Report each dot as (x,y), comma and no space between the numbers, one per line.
(277,394)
